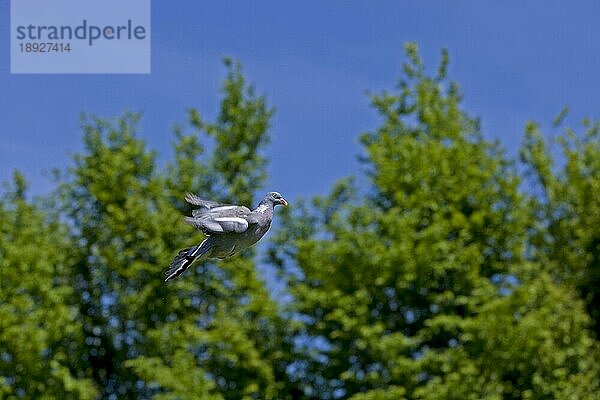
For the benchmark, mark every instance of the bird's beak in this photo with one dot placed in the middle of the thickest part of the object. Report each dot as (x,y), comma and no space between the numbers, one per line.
(284,202)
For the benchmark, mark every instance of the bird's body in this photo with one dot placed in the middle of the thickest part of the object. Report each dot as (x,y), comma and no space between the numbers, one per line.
(230,229)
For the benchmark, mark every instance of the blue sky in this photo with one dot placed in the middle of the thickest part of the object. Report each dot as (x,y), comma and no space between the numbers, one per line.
(315,60)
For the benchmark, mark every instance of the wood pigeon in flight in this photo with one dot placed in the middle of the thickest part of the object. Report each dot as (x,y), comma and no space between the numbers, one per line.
(230,229)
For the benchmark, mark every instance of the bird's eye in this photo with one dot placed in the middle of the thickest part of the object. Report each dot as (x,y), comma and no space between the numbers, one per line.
(276,195)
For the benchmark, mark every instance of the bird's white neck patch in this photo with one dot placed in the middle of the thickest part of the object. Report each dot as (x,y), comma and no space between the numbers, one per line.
(262,208)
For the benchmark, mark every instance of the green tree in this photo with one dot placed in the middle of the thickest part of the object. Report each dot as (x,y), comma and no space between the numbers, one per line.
(232,326)
(566,238)
(125,218)
(423,288)
(122,230)
(39,326)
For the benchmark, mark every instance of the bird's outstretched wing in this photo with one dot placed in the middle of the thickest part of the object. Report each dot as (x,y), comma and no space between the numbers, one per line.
(208,204)
(217,218)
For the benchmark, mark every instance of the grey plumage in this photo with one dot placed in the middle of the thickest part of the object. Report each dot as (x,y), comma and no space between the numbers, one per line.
(229,229)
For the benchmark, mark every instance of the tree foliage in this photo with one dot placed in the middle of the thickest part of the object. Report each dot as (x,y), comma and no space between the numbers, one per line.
(424,288)
(451,275)
(566,238)
(39,321)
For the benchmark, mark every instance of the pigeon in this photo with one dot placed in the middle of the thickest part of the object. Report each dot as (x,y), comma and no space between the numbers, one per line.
(229,229)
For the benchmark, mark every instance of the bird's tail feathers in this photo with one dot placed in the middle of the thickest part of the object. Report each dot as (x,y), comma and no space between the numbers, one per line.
(184,259)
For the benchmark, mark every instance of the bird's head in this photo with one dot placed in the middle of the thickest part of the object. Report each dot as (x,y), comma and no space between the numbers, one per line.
(276,199)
